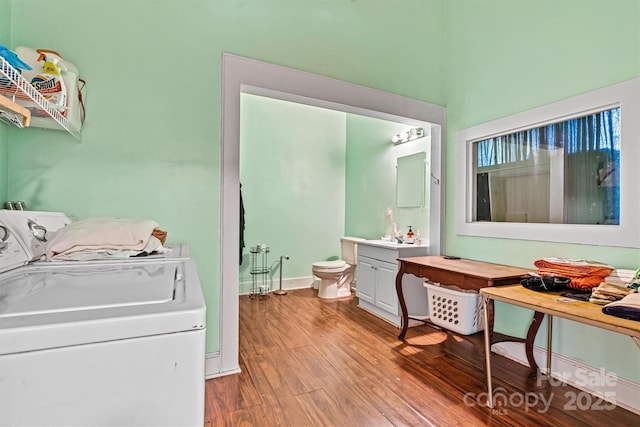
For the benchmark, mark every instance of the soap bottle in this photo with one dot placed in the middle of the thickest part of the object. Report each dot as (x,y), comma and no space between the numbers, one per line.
(410,238)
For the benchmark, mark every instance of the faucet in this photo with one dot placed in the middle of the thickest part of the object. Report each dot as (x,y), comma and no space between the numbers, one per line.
(399,239)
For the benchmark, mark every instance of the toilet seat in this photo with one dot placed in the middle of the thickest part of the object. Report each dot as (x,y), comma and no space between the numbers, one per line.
(330,266)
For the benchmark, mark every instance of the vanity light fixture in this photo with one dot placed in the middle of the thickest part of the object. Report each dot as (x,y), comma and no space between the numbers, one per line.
(407,136)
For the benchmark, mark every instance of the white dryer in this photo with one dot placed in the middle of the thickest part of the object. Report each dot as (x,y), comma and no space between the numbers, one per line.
(33,229)
(12,253)
(118,343)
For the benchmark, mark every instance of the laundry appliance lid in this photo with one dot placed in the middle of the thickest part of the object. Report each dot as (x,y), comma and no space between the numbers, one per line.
(57,305)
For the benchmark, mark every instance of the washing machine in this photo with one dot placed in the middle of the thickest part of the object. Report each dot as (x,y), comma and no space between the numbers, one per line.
(117,343)
(33,229)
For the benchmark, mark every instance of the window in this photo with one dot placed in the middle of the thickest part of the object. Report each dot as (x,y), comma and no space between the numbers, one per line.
(564,172)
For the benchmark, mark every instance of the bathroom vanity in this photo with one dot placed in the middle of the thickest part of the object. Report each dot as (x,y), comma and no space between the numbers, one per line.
(376,275)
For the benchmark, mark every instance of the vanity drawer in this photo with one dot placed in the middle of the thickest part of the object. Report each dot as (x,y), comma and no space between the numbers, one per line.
(381,254)
(391,253)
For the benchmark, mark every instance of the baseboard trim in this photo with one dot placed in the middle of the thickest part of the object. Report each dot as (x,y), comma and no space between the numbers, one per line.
(598,382)
(287,284)
(212,367)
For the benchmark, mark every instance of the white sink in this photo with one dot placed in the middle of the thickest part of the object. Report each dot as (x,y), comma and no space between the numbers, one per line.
(386,244)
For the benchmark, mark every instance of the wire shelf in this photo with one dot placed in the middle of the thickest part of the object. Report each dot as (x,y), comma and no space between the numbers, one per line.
(259,271)
(17,89)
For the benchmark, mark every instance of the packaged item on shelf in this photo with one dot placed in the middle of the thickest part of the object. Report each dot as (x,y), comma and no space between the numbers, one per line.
(51,84)
(48,69)
(13,59)
(46,75)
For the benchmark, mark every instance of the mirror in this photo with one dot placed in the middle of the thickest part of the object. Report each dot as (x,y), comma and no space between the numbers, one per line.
(410,180)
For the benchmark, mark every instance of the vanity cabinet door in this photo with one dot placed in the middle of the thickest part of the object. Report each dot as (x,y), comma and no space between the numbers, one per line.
(366,279)
(386,296)
(376,286)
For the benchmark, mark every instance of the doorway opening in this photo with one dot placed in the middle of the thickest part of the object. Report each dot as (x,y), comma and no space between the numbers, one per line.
(244,75)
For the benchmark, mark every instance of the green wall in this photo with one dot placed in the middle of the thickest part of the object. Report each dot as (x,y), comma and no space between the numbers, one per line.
(292,170)
(371,178)
(506,56)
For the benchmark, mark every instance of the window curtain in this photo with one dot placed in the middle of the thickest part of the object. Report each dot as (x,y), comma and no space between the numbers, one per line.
(591,147)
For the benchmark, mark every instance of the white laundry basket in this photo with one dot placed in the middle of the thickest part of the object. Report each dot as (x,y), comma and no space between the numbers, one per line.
(455,310)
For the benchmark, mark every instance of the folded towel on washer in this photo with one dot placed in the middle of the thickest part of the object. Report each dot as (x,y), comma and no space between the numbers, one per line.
(627,308)
(95,234)
(153,247)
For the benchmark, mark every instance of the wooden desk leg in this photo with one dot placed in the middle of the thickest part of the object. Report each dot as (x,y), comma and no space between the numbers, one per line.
(486,302)
(489,319)
(404,319)
(531,336)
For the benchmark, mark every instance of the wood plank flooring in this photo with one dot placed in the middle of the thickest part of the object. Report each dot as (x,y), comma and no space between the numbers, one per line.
(312,362)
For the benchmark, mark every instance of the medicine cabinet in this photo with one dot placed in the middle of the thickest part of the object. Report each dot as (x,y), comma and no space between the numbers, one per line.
(410,180)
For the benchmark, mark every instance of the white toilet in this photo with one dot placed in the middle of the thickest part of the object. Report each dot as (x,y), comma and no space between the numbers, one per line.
(336,276)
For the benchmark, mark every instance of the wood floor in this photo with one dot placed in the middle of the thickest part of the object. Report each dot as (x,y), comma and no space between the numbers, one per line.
(312,362)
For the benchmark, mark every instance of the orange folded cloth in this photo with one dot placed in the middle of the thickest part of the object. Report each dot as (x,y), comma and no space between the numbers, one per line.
(160,235)
(584,274)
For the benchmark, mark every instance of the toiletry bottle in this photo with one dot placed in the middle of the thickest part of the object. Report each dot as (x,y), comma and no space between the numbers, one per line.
(418,238)
(410,238)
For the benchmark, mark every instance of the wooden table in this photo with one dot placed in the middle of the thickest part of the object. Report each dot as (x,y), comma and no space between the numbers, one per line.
(547,303)
(463,273)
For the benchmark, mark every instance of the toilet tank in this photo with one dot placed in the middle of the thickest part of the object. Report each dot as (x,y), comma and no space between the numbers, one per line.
(349,249)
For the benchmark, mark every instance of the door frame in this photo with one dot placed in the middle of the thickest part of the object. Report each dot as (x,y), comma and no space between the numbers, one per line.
(245,75)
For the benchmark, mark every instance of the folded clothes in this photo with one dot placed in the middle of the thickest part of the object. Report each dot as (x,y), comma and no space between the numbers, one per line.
(581,296)
(160,235)
(627,308)
(623,273)
(613,280)
(605,290)
(575,264)
(154,246)
(101,234)
(600,301)
(584,274)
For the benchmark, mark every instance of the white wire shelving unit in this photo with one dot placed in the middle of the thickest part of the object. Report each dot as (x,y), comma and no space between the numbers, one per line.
(19,91)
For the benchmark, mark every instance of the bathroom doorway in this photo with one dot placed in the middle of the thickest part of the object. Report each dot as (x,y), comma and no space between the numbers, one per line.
(312,175)
(243,75)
